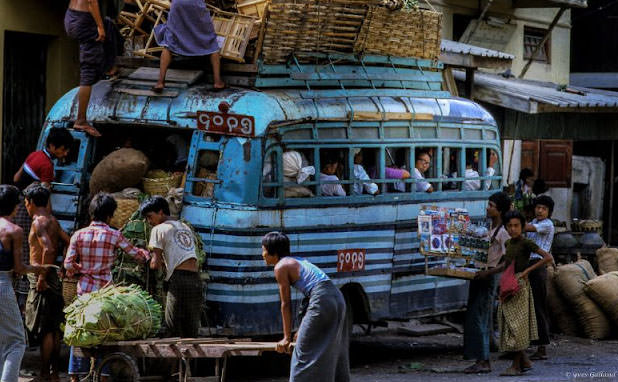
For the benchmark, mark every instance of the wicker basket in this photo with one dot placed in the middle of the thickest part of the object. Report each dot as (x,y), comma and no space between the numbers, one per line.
(451,272)
(404,33)
(254,8)
(161,186)
(126,208)
(307,26)
(69,290)
(233,33)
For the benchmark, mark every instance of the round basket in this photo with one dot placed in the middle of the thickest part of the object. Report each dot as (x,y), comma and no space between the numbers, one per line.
(591,226)
(126,208)
(69,290)
(161,186)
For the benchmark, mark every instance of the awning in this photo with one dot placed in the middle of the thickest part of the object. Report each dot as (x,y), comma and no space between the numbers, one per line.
(550,3)
(535,97)
(470,56)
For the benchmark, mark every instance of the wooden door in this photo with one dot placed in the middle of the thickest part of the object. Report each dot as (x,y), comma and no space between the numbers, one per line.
(555,164)
(530,156)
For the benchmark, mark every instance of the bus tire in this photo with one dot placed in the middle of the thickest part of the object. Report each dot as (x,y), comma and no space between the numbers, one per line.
(130,366)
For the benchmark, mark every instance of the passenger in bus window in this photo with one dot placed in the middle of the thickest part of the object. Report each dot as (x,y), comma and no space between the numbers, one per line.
(361,174)
(295,172)
(423,161)
(330,163)
(396,168)
(471,184)
(491,171)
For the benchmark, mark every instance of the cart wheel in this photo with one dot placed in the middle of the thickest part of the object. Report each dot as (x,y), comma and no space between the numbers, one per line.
(120,367)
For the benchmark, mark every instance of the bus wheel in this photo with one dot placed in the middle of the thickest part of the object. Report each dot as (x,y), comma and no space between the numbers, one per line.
(117,367)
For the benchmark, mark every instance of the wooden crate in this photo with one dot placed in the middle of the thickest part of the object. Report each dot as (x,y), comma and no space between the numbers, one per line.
(403,33)
(233,31)
(307,26)
(254,8)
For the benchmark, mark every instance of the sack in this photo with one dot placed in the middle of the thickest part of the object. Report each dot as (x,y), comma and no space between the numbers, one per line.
(604,291)
(563,319)
(120,169)
(607,260)
(570,280)
(508,282)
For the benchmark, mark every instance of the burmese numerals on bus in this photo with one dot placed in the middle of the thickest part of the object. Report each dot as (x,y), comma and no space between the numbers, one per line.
(228,124)
(350,260)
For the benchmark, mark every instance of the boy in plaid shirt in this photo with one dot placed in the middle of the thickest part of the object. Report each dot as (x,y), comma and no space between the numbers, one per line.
(95,247)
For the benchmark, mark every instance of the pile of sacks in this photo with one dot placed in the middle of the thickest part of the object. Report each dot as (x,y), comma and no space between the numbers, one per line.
(580,302)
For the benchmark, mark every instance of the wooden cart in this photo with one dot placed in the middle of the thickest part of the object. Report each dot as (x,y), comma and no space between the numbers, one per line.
(130,357)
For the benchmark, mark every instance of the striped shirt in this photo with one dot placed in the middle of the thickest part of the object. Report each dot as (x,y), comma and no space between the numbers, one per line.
(543,237)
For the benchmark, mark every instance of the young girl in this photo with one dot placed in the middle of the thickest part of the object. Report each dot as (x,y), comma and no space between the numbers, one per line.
(516,316)
(321,351)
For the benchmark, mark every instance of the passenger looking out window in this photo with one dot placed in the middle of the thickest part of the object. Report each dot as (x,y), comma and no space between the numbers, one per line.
(422,163)
(471,184)
(491,171)
(296,170)
(361,174)
(397,168)
(330,164)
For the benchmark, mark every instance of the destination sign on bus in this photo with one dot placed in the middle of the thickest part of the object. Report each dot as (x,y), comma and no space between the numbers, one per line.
(227,124)
(350,260)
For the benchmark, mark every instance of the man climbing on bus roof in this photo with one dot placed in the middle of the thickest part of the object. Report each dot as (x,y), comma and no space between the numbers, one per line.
(322,340)
(423,161)
(99,44)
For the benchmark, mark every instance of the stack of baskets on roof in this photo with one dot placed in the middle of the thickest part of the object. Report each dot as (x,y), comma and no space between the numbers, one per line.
(582,303)
(278,30)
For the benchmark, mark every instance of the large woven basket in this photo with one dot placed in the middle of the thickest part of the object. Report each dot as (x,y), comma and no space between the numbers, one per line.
(161,186)
(303,27)
(126,208)
(69,290)
(403,33)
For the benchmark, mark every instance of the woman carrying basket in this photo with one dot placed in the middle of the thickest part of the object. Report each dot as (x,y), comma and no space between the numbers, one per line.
(189,32)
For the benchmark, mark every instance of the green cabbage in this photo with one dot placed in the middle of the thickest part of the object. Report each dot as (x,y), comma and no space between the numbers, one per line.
(113,313)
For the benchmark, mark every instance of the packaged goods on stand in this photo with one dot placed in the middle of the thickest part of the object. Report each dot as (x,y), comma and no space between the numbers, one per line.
(113,313)
(604,291)
(570,280)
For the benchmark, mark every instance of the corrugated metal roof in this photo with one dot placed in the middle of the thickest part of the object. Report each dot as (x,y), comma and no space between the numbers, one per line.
(539,97)
(461,48)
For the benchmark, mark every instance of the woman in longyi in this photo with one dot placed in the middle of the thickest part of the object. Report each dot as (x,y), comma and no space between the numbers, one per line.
(516,317)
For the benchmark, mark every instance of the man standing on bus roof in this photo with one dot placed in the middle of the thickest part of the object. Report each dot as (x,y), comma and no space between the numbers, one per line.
(423,161)
(321,351)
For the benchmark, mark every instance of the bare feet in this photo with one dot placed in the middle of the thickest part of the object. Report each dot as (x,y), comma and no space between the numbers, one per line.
(158,88)
(86,127)
(219,85)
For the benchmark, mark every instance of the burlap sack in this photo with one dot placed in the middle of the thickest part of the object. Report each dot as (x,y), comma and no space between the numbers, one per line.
(120,169)
(563,319)
(570,280)
(607,260)
(604,291)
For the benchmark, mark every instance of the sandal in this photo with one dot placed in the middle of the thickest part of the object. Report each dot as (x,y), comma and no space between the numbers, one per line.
(538,357)
(511,372)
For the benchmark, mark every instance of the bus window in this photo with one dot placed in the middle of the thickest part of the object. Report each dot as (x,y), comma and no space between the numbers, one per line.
(493,169)
(296,171)
(206,172)
(269,175)
(424,167)
(333,169)
(365,163)
(451,162)
(397,161)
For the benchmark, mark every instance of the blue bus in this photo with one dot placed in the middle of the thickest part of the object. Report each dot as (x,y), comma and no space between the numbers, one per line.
(255,156)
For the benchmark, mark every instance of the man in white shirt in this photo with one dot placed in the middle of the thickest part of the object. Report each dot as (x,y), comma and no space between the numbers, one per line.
(360,174)
(471,184)
(173,246)
(329,164)
(423,161)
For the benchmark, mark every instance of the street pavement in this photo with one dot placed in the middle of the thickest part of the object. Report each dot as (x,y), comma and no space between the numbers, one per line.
(386,357)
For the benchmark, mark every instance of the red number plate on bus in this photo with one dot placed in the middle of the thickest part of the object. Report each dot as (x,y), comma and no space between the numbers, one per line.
(350,260)
(228,124)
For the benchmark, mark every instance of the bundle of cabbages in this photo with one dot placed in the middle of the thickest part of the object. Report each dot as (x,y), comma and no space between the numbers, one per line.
(113,313)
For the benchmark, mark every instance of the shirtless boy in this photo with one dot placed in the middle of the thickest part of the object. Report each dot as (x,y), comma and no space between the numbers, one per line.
(45,303)
(13,344)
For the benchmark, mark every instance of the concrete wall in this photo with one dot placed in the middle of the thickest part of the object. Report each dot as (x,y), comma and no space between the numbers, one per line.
(46,18)
(558,69)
